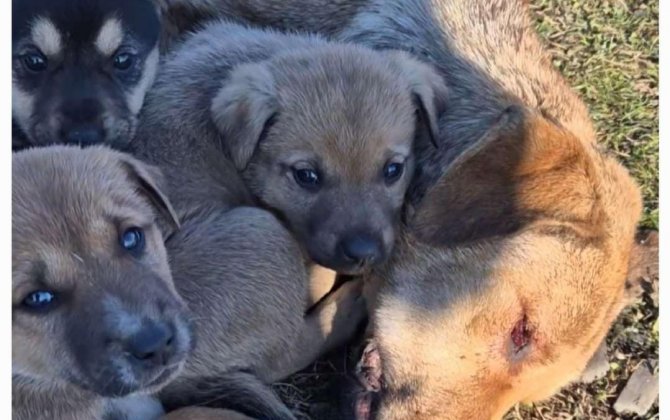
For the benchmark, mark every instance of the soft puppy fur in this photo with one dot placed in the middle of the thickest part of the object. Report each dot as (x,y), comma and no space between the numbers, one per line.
(246,283)
(96,318)
(80,69)
(323,134)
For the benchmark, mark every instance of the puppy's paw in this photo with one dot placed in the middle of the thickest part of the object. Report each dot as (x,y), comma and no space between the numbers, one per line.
(135,407)
(340,314)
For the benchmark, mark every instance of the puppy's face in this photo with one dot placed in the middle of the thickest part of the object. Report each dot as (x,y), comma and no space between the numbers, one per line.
(488,305)
(80,69)
(330,144)
(93,300)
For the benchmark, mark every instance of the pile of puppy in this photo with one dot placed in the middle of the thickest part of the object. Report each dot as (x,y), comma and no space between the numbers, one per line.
(300,171)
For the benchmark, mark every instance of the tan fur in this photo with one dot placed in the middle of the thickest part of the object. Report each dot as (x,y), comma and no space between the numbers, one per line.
(46,36)
(69,208)
(110,37)
(322,280)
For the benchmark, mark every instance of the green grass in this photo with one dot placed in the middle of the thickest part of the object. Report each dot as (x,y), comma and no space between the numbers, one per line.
(608,50)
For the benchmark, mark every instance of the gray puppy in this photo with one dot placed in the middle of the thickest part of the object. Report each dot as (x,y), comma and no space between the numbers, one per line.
(323,134)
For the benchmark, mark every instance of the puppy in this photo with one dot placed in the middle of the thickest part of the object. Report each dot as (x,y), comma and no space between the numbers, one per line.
(323,134)
(80,69)
(96,321)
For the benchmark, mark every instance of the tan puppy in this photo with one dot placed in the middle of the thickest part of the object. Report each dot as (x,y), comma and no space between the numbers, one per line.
(95,315)
(323,134)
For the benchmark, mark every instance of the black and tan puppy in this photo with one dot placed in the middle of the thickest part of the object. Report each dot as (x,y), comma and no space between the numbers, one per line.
(80,69)
(322,133)
(96,319)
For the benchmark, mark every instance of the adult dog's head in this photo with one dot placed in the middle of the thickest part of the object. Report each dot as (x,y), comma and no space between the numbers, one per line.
(509,277)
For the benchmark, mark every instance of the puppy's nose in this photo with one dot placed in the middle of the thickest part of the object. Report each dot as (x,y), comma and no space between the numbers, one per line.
(361,249)
(152,345)
(85,135)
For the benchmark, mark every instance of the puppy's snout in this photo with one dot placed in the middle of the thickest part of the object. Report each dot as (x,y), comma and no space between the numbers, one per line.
(82,123)
(152,345)
(361,249)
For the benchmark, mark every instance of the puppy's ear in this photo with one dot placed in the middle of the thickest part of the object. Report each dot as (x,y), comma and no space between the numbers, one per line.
(524,169)
(428,90)
(244,109)
(148,179)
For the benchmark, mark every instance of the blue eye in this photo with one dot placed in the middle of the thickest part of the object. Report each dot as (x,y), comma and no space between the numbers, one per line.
(306,178)
(392,172)
(133,240)
(39,299)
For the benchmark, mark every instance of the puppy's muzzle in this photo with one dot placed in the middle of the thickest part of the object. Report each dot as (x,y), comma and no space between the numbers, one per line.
(151,347)
(361,250)
(82,122)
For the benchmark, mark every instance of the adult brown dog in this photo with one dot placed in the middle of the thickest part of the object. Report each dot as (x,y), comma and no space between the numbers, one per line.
(95,315)
(473,317)
(513,265)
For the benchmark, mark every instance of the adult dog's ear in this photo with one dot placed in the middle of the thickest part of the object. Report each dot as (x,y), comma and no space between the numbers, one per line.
(429,93)
(148,180)
(244,109)
(524,169)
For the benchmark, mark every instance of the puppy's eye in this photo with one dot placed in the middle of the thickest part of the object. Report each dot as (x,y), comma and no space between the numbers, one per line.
(393,172)
(307,178)
(123,60)
(521,335)
(35,61)
(39,299)
(133,240)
